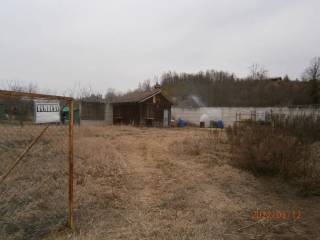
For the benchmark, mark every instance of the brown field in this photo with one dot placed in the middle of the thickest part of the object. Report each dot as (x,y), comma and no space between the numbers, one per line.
(144,183)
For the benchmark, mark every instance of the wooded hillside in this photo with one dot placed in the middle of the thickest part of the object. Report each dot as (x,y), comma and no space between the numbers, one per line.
(218,88)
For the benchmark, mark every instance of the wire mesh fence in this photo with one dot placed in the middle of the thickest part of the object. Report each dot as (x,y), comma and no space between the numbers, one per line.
(36,163)
(281,117)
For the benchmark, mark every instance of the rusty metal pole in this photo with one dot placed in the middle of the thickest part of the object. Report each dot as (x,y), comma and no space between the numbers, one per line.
(70,202)
(21,156)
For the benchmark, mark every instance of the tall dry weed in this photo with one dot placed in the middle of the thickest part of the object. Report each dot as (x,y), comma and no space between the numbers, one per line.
(284,149)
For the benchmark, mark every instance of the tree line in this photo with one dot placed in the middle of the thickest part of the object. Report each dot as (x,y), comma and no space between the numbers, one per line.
(220,88)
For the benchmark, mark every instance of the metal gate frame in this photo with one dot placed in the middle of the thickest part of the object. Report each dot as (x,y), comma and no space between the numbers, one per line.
(69,102)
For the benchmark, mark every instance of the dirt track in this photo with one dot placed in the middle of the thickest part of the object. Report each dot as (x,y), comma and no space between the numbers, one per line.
(136,183)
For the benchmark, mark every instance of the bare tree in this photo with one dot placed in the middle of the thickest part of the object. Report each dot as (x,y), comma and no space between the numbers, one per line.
(156,80)
(79,91)
(18,86)
(85,92)
(110,95)
(286,78)
(145,85)
(257,72)
(312,74)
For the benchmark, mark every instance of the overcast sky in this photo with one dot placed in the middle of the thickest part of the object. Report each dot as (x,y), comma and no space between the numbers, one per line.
(58,44)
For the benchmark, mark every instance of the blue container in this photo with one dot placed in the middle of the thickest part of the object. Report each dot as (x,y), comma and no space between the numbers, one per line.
(181,123)
(219,124)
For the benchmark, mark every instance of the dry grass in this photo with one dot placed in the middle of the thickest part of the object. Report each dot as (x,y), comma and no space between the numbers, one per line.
(32,198)
(134,183)
(282,151)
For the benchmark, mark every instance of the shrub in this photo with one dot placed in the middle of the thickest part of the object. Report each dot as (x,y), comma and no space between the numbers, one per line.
(284,148)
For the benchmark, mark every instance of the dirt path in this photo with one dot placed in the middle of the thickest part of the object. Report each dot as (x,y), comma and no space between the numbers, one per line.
(152,183)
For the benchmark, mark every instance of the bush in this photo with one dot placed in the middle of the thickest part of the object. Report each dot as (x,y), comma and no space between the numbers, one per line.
(285,148)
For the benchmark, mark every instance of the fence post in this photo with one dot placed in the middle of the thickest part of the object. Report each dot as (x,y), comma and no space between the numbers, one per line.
(70,203)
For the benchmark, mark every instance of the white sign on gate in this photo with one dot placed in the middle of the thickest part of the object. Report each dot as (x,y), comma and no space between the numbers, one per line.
(47,111)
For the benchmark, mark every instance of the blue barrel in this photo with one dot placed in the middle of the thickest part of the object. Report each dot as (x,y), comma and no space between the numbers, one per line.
(219,124)
(181,123)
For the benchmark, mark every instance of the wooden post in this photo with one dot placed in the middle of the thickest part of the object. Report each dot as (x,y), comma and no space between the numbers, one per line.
(70,202)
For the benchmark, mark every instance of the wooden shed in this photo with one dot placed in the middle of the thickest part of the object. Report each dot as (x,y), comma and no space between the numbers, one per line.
(147,108)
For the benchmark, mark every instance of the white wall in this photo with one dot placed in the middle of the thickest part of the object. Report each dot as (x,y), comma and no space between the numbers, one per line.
(228,115)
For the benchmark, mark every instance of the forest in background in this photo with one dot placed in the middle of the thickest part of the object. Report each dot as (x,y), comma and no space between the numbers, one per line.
(223,89)
(218,88)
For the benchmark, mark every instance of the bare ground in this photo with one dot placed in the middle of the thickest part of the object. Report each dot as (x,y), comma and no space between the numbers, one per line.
(146,183)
